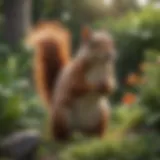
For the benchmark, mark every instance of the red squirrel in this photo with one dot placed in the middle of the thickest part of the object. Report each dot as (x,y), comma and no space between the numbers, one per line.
(74,89)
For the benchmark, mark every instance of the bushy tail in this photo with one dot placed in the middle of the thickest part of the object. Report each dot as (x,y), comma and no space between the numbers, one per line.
(51,43)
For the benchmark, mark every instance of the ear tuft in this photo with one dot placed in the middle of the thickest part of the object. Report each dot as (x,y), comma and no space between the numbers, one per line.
(86,33)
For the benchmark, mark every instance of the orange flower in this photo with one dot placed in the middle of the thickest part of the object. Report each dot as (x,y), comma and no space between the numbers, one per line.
(129,98)
(132,79)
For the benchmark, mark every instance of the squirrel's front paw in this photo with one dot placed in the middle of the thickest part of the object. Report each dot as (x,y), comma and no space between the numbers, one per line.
(101,87)
(104,87)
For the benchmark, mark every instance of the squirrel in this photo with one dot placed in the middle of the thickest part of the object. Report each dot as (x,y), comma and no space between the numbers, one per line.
(74,88)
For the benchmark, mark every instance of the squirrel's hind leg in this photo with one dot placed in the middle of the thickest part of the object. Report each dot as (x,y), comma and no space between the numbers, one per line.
(61,130)
(105,114)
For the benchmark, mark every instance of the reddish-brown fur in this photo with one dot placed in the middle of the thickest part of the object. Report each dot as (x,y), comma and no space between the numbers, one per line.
(52,54)
(62,82)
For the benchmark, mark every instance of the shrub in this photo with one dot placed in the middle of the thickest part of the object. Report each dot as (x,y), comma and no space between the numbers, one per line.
(150,91)
(130,148)
(18,105)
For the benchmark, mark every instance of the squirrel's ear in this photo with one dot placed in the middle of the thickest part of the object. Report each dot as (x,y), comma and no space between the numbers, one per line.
(86,33)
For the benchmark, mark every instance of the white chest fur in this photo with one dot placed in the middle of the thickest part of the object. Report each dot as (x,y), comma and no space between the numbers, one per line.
(97,73)
(87,111)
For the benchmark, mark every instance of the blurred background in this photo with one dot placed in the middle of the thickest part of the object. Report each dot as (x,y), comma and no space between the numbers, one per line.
(135,25)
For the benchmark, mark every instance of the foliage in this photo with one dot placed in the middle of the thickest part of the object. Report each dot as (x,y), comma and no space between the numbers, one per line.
(119,148)
(17,104)
(150,91)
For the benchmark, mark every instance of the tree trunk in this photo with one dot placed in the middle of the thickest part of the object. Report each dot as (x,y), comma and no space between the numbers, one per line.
(17,19)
